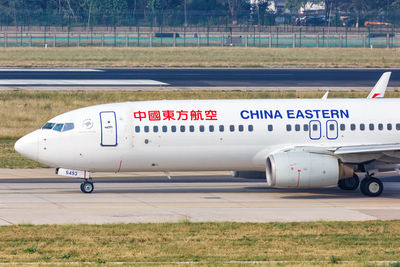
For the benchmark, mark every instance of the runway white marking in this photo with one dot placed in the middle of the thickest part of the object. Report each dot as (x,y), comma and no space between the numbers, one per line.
(50,70)
(80,82)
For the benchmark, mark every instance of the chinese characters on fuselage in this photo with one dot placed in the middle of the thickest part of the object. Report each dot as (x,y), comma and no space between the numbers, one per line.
(178,115)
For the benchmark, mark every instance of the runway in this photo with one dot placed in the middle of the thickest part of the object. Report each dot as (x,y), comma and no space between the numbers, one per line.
(193,198)
(196,77)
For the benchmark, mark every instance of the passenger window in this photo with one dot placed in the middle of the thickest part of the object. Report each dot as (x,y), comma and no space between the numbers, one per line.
(68,127)
(241,128)
(297,127)
(201,128)
(58,127)
(221,128)
(137,129)
(164,129)
(305,127)
(380,126)
(146,129)
(331,127)
(270,128)
(288,127)
(371,127)
(362,126)
(353,127)
(173,128)
(191,128)
(155,129)
(232,128)
(183,128)
(315,127)
(342,127)
(398,126)
(211,128)
(250,128)
(48,126)
(389,126)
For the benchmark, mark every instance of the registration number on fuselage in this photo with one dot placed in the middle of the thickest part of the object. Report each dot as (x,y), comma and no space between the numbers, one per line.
(73,173)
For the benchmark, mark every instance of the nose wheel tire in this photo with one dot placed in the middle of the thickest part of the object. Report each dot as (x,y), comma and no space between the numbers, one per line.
(349,183)
(87,187)
(371,187)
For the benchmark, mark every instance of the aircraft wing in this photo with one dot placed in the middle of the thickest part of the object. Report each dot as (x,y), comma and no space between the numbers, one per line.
(386,153)
(366,149)
(380,87)
(380,154)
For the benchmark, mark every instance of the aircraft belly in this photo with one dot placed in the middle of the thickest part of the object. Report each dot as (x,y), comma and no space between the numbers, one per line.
(188,159)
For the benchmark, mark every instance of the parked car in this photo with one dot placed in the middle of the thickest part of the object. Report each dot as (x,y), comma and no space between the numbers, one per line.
(310,21)
(377,22)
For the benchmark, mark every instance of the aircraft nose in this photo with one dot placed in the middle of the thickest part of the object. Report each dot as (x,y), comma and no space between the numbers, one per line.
(28,145)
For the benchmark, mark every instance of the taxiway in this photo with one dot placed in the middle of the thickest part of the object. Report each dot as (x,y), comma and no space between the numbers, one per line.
(195,198)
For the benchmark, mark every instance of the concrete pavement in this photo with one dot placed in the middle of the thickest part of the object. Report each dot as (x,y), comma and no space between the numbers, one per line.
(196,198)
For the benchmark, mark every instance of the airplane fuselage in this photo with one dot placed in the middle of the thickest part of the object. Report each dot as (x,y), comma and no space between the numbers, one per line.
(210,134)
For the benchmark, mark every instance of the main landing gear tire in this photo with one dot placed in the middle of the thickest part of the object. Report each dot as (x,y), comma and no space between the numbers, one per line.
(87,187)
(349,183)
(371,187)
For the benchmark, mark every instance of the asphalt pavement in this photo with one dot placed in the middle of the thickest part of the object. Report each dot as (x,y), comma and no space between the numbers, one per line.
(197,77)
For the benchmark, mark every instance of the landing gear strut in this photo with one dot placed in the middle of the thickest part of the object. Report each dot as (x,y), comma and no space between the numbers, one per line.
(349,183)
(87,186)
(371,186)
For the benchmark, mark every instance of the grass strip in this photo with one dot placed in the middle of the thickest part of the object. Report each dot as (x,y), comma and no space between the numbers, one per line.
(329,242)
(230,57)
(22,112)
(9,158)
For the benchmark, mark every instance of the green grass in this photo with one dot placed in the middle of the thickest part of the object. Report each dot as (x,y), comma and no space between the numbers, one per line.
(231,57)
(209,243)
(22,112)
(9,158)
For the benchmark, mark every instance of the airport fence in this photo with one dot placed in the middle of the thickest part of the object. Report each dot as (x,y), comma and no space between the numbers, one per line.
(276,38)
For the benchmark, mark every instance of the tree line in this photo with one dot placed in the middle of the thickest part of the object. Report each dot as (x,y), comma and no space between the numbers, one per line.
(180,11)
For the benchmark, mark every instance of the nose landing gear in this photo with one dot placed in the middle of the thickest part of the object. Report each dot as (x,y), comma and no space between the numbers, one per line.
(87,186)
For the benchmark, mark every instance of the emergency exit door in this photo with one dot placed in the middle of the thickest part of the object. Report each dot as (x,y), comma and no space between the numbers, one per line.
(315,130)
(108,124)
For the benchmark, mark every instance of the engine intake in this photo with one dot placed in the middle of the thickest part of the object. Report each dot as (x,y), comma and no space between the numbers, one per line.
(304,170)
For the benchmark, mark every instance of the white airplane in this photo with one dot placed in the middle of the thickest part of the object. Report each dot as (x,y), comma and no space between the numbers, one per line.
(377,92)
(299,143)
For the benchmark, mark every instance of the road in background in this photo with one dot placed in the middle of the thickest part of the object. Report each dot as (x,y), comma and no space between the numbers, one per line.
(193,77)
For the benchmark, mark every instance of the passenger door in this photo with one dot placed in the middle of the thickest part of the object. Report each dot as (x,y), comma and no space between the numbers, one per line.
(108,122)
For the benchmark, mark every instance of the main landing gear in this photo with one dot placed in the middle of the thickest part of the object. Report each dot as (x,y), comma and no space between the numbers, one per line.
(87,186)
(370,186)
(349,183)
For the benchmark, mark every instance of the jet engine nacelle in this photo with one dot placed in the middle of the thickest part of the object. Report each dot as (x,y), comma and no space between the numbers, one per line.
(303,169)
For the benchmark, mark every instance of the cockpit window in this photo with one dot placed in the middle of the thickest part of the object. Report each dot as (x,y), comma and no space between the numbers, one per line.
(58,127)
(48,126)
(68,126)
